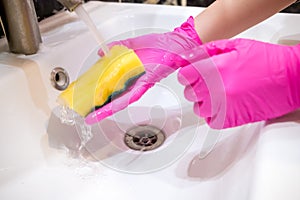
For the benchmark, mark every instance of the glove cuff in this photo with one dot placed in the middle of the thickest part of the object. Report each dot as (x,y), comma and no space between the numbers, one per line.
(188,28)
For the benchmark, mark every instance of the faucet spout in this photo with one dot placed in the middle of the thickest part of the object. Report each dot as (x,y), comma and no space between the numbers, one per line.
(71,5)
(21,26)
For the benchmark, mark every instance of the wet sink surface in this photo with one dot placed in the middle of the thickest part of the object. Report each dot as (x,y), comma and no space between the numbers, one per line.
(43,159)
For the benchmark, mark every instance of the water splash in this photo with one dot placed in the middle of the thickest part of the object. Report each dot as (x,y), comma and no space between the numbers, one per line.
(69,117)
(86,134)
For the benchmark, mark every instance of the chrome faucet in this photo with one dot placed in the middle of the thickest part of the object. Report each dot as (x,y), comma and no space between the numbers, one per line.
(21,25)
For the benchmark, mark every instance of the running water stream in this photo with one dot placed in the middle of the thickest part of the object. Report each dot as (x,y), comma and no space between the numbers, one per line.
(85,17)
(68,116)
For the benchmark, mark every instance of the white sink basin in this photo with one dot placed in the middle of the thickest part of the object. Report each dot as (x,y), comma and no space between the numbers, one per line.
(42,159)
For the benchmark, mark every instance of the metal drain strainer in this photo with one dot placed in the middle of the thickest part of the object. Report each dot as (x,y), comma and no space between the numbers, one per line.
(144,137)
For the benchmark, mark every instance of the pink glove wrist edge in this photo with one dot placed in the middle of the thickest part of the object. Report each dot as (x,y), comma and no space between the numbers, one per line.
(188,28)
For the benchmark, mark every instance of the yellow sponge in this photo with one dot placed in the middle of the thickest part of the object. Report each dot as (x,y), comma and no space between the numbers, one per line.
(109,76)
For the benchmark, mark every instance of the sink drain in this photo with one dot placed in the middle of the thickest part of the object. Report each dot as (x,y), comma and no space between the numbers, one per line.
(144,138)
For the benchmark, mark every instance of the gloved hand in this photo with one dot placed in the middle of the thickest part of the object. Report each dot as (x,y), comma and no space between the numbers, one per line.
(160,54)
(243,81)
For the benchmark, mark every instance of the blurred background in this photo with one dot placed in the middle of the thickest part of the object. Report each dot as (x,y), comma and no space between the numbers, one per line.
(46,8)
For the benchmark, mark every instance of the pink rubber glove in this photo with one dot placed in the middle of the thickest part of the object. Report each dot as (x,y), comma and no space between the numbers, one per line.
(160,54)
(243,81)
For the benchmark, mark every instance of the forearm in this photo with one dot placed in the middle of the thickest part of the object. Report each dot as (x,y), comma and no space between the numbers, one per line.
(227,18)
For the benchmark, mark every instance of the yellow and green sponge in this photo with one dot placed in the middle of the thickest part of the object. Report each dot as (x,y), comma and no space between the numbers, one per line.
(109,77)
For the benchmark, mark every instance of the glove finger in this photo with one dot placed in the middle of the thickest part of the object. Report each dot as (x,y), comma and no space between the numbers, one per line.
(191,95)
(212,121)
(196,92)
(140,42)
(110,45)
(204,68)
(188,75)
(220,46)
(118,104)
(203,108)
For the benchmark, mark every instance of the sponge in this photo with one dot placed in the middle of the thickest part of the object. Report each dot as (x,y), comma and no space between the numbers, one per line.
(109,77)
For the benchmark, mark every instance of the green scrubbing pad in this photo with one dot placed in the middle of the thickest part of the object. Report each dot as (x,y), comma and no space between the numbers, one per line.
(115,94)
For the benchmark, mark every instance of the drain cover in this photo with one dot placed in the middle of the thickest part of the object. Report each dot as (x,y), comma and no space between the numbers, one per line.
(144,138)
